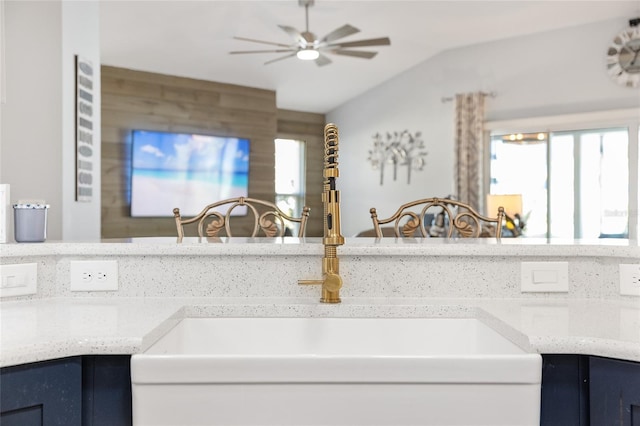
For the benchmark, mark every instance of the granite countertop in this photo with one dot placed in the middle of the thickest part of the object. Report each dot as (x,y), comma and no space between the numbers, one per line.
(48,328)
(385,278)
(482,247)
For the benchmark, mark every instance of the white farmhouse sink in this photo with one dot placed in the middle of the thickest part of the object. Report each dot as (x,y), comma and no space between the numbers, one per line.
(335,371)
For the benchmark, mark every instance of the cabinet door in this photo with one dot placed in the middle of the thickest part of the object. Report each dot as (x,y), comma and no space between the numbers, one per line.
(44,393)
(565,392)
(106,385)
(614,392)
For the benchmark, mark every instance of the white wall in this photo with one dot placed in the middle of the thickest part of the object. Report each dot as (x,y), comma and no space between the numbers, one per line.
(37,143)
(80,36)
(556,72)
(30,150)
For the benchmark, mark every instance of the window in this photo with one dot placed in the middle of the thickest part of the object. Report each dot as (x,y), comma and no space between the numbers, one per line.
(290,176)
(522,169)
(574,183)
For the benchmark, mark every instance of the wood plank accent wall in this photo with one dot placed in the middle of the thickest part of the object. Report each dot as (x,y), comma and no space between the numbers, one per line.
(147,101)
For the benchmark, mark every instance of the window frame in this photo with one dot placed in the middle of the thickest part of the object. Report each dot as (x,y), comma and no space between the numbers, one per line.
(302,194)
(628,118)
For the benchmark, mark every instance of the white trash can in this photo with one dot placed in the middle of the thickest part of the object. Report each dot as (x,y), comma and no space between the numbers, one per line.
(30,221)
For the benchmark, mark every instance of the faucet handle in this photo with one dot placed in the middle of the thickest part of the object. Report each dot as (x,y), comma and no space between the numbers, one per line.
(332,282)
(310,282)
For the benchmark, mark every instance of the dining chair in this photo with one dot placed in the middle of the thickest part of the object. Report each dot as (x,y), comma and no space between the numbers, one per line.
(268,219)
(439,217)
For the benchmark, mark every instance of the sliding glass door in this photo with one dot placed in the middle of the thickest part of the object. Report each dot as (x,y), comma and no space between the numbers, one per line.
(574,184)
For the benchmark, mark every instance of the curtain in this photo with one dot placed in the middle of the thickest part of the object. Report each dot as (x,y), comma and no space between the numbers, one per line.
(469,132)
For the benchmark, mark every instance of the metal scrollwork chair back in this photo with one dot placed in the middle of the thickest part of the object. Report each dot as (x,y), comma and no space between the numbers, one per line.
(215,219)
(453,219)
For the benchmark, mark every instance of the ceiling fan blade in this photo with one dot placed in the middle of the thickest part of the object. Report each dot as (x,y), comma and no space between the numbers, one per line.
(280,58)
(322,60)
(354,53)
(384,41)
(262,41)
(237,52)
(343,31)
(295,34)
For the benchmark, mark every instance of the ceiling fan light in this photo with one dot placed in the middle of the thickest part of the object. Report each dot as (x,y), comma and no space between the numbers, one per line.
(308,54)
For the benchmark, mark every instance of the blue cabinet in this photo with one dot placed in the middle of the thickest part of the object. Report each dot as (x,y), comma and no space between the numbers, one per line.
(589,391)
(106,390)
(614,392)
(78,391)
(565,391)
(44,393)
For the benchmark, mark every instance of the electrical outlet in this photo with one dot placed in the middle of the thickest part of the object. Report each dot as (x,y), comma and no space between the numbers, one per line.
(93,275)
(630,279)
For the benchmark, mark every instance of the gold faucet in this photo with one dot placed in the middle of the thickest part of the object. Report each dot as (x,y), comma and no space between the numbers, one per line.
(331,281)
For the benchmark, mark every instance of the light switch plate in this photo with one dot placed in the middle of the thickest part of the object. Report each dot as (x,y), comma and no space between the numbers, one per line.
(18,279)
(543,277)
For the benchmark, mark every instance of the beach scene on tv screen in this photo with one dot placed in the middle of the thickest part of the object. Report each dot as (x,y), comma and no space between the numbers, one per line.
(186,171)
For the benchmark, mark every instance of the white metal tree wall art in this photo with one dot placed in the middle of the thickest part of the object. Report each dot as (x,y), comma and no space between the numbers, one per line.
(398,149)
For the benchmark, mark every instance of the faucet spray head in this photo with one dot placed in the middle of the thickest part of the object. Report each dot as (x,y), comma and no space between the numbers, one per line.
(331,196)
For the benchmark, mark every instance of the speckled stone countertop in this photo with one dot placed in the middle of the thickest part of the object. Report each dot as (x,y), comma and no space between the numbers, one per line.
(312,246)
(43,329)
(161,281)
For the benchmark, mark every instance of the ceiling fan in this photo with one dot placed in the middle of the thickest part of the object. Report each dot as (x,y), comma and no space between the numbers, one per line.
(307,47)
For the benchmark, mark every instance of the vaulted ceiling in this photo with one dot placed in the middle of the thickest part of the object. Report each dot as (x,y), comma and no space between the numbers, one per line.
(194,38)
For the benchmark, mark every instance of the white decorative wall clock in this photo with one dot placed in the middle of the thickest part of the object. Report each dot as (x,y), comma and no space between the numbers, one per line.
(623,56)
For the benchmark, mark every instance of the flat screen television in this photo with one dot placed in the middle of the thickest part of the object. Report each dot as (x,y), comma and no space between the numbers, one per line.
(187,171)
